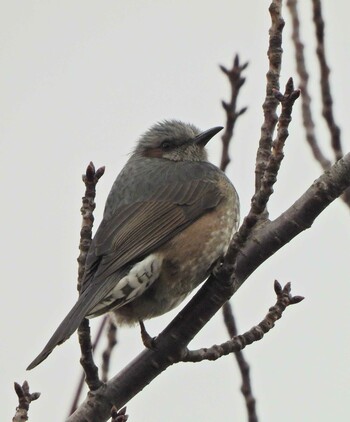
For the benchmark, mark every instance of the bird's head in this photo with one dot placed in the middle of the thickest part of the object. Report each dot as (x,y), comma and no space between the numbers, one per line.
(175,141)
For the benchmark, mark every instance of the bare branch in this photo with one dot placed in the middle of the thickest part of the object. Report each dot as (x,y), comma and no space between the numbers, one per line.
(237,343)
(236,80)
(106,356)
(171,344)
(24,400)
(299,217)
(260,198)
(243,365)
(119,416)
(270,104)
(90,180)
(325,90)
(86,359)
(266,161)
(82,379)
(308,121)
(327,100)
(287,101)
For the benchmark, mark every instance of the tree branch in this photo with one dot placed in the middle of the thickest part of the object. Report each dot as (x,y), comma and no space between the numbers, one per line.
(171,344)
(82,379)
(327,99)
(239,342)
(119,415)
(236,80)
(270,154)
(242,363)
(260,198)
(270,104)
(90,179)
(24,400)
(308,121)
(106,355)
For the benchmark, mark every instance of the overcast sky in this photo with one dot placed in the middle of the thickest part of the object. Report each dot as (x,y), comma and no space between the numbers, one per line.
(81,80)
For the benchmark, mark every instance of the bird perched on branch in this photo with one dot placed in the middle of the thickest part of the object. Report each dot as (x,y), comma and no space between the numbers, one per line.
(168,220)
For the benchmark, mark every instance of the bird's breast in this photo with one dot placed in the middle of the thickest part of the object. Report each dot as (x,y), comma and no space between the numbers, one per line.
(187,260)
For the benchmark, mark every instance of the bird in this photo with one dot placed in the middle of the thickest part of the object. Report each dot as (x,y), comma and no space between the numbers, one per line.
(167,222)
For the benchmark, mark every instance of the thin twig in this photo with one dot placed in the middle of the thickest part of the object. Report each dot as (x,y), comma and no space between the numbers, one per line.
(327,99)
(106,355)
(236,80)
(263,181)
(24,400)
(82,378)
(269,157)
(119,416)
(90,179)
(86,360)
(243,365)
(284,299)
(260,199)
(270,104)
(270,177)
(308,120)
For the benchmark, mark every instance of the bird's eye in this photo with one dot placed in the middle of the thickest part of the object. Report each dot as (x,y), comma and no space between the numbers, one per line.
(166,145)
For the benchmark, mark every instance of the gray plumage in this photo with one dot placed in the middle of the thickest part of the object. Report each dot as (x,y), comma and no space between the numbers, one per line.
(166,185)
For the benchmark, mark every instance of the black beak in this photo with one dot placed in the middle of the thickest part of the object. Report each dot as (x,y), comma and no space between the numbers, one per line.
(203,138)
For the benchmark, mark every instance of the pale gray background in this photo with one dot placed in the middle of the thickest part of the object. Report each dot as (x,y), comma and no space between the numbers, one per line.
(80,81)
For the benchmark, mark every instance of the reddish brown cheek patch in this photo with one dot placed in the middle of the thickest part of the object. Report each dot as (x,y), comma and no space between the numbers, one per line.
(153,152)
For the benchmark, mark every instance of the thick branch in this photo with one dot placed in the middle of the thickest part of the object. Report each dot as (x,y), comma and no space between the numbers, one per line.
(300,216)
(172,342)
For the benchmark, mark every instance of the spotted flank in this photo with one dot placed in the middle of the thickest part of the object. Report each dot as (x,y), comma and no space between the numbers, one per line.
(141,276)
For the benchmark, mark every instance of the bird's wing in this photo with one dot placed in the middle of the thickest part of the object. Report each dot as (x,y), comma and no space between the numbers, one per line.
(133,231)
(139,228)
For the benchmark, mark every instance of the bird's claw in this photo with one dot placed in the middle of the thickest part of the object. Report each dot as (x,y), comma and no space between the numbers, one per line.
(148,341)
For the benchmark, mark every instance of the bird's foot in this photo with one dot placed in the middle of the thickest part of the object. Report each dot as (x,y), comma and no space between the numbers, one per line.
(216,268)
(148,341)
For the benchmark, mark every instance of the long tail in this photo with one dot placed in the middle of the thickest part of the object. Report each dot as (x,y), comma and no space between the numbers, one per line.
(87,300)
